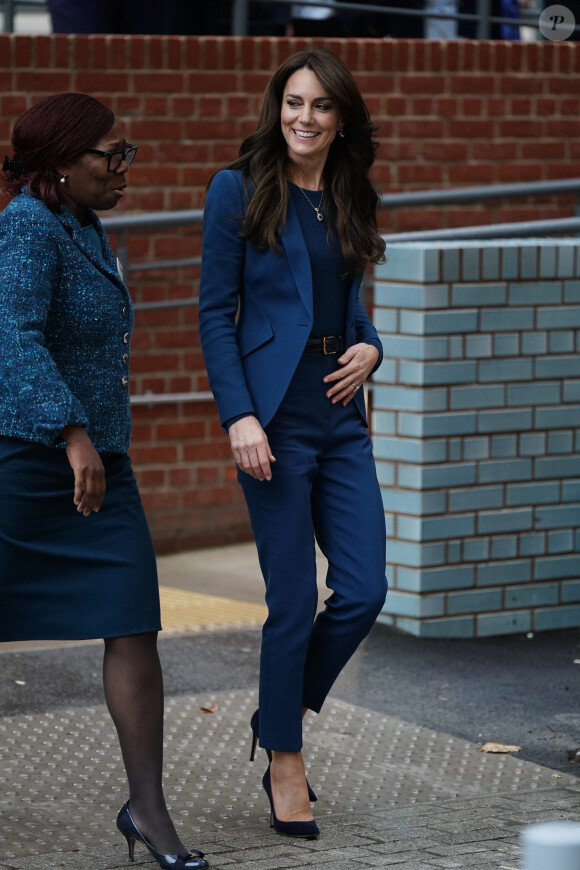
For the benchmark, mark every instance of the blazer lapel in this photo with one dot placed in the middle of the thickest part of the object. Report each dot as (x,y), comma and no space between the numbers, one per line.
(105,264)
(298,258)
(299,262)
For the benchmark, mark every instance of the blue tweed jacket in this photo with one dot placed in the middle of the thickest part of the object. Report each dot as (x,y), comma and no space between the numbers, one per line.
(65,324)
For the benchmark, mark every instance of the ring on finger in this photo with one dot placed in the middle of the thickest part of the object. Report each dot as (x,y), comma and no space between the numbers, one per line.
(355,387)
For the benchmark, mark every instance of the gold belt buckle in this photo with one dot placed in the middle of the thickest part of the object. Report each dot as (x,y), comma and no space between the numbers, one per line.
(324,350)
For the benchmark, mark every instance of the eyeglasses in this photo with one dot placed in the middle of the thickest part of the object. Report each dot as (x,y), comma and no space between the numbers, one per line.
(115,158)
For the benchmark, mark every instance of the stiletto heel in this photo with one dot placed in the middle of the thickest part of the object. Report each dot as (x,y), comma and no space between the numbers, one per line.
(255,726)
(254,744)
(306,830)
(192,860)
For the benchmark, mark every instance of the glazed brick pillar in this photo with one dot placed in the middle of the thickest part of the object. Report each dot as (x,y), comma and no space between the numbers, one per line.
(476,428)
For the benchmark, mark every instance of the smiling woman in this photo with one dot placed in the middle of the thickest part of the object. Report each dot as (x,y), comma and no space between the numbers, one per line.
(289,228)
(310,121)
(75,552)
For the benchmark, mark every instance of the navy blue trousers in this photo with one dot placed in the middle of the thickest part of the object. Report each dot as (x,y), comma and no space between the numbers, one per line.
(324,487)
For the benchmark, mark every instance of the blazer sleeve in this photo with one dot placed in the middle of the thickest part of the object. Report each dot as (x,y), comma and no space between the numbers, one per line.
(221,292)
(33,395)
(366,332)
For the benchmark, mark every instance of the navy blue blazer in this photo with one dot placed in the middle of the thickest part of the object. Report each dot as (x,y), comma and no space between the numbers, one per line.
(65,324)
(255,308)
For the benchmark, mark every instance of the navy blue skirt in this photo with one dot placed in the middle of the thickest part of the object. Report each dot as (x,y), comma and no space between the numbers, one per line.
(64,576)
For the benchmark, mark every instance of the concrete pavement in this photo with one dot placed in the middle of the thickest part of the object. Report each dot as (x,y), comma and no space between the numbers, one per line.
(394,756)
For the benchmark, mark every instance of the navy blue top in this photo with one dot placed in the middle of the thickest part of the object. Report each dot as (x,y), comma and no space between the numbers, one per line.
(329,288)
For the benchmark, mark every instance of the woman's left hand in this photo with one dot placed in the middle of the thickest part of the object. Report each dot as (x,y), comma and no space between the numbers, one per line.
(356,364)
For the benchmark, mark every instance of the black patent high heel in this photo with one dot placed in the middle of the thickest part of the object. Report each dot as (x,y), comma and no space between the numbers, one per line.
(255,726)
(307,830)
(192,860)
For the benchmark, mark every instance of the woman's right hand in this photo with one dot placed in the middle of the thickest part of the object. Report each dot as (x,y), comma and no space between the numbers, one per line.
(250,448)
(88,469)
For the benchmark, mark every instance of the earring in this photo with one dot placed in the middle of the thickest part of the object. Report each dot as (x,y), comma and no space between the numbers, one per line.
(63,179)
(341,133)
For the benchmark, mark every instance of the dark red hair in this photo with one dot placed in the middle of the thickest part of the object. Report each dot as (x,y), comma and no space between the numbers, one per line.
(54,131)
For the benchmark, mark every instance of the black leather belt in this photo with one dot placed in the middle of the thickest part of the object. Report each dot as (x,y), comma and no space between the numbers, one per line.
(330,344)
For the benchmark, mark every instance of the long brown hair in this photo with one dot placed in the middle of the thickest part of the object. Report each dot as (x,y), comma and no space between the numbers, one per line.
(353,200)
(55,130)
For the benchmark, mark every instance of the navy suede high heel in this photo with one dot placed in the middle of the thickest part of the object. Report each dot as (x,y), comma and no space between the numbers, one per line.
(307,830)
(192,860)
(255,726)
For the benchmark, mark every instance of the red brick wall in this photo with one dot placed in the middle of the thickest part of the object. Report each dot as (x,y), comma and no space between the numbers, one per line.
(450,113)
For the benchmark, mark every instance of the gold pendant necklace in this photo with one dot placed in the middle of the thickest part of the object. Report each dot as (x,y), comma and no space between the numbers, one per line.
(319,215)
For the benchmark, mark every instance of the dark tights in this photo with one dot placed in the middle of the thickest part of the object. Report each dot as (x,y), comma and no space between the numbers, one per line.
(134,693)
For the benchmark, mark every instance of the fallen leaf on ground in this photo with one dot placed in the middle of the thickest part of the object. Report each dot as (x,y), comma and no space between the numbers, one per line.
(211,708)
(498,747)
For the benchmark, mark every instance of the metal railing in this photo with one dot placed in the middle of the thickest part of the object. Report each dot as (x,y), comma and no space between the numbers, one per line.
(123,224)
(553,227)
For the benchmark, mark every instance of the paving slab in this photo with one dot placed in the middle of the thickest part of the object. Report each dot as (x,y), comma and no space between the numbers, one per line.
(390,793)
(394,756)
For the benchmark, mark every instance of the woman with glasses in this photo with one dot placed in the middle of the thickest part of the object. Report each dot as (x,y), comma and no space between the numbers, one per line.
(76,554)
(289,228)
